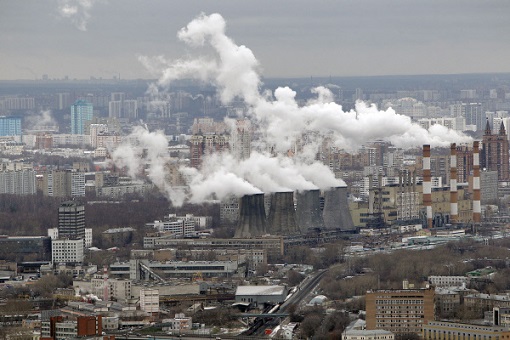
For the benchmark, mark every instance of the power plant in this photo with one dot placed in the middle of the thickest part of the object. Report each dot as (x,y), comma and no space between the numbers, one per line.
(282,215)
(308,211)
(336,212)
(252,219)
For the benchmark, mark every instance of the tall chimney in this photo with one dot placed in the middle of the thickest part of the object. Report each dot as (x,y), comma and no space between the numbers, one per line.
(454,207)
(252,219)
(477,209)
(282,215)
(308,212)
(427,185)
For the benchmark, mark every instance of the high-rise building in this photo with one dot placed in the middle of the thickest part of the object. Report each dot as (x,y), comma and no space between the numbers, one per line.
(18,182)
(494,155)
(63,183)
(71,220)
(241,139)
(10,126)
(115,109)
(202,145)
(63,100)
(474,115)
(81,116)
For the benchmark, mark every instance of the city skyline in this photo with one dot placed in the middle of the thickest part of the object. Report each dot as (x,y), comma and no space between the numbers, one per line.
(88,38)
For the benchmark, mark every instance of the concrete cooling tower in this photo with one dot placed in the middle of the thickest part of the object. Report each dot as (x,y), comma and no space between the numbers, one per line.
(282,215)
(308,212)
(336,212)
(252,217)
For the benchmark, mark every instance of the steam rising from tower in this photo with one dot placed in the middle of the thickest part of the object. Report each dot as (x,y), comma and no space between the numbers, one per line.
(279,121)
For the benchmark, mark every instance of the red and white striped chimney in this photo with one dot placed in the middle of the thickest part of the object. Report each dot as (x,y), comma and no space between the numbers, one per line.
(454,206)
(427,185)
(477,208)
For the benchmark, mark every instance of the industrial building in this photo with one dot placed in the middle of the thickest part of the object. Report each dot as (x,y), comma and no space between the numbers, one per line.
(16,247)
(258,296)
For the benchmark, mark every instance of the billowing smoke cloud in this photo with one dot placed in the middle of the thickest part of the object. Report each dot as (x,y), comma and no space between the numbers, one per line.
(284,125)
(77,11)
(42,120)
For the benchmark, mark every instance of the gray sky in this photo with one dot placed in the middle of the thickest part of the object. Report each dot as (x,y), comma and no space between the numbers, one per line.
(289,38)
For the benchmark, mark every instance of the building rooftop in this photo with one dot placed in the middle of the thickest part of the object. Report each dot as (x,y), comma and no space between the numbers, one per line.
(260,290)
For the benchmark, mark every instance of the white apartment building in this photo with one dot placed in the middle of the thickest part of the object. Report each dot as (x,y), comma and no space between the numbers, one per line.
(18,182)
(180,226)
(67,251)
(117,289)
(53,233)
(448,281)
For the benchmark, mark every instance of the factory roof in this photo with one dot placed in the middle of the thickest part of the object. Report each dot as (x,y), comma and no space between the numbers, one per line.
(260,290)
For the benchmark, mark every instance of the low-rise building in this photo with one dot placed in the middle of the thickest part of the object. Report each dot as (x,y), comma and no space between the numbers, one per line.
(364,334)
(67,251)
(441,330)
(260,295)
(448,281)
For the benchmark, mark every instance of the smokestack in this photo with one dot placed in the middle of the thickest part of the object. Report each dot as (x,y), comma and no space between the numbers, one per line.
(427,185)
(477,209)
(454,208)
(252,219)
(105,283)
(282,215)
(308,212)
(336,212)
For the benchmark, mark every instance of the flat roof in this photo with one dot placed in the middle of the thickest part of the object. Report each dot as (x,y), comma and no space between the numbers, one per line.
(260,290)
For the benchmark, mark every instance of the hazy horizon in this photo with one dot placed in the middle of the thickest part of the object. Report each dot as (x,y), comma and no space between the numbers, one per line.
(104,38)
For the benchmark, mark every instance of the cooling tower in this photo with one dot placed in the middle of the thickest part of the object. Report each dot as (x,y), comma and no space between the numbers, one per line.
(252,219)
(336,212)
(282,215)
(308,212)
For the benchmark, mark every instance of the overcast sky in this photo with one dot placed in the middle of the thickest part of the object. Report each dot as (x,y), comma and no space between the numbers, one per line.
(290,38)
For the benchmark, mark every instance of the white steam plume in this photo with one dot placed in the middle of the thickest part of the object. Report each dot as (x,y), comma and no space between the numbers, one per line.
(77,11)
(281,122)
(43,119)
(148,148)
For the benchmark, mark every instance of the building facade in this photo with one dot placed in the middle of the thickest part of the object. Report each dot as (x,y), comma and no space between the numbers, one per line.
(81,116)
(440,330)
(400,311)
(71,220)
(494,154)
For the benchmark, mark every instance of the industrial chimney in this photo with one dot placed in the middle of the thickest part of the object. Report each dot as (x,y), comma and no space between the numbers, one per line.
(308,212)
(252,219)
(427,185)
(336,212)
(477,209)
(282,215)
(454,208)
